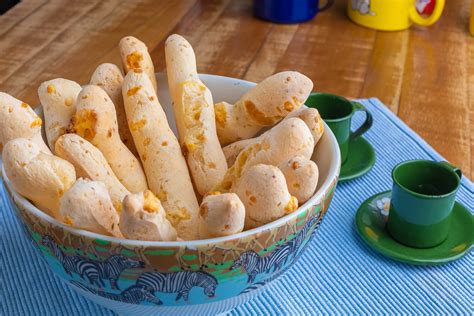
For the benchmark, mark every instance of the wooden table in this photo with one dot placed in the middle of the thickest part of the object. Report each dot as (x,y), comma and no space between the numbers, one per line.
(425,75)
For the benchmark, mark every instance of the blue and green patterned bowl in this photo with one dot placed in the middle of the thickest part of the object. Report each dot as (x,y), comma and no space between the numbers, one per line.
(188,277)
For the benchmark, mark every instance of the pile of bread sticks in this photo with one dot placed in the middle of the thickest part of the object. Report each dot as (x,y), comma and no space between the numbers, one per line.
(112,165)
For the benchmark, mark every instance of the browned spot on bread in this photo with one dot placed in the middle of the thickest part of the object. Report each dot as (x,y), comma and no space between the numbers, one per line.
(50,89)
(164,143)
(68,102)
(257,115)
(289,106)
(292,205)
(118,207)
(226,226)
(200,137)
(134,59)
(24,105)
(221,114)
(84,123)
(212,165)
(68,221)
(177,216)
(147,141)
(295,165)
(163,196)
(36,122)
(135,126)
(133,90)
(150,203)
(151,98)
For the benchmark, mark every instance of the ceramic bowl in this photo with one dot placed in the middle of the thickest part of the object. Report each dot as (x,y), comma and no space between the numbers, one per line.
(189,277)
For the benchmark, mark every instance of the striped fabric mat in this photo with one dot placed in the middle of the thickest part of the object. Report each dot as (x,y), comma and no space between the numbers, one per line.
(338,274)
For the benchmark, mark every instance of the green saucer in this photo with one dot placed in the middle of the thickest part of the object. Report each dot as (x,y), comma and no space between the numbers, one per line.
(370,221)
(360,160)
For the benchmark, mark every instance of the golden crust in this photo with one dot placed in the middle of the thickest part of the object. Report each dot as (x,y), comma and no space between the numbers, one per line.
(109,77)
(143,218)
(87,205)
(163,162)
(301,175)
(40,177)
(58,97)
(135,57)
(221,215)
(195,118)
(90,163)
(264,105)
(96,121)
(18,120)
(264,193)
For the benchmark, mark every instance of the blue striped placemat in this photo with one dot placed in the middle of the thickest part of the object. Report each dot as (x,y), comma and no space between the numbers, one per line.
(338,274)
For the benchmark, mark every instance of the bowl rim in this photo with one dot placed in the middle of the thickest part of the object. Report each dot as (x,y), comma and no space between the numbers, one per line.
(333,174)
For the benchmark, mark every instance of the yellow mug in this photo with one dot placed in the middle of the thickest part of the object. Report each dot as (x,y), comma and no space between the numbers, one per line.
(390,15)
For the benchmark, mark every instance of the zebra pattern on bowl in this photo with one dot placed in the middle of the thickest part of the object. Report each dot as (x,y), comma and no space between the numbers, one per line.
(172,275)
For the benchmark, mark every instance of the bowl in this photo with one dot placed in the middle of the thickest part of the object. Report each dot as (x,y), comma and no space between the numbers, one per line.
(184,277)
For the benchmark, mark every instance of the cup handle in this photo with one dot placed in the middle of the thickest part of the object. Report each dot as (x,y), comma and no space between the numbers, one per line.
(366,125)
(328,4)
(420,20)
(454,168)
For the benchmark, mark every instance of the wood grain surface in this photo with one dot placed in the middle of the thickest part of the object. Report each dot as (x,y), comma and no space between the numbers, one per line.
(424,75)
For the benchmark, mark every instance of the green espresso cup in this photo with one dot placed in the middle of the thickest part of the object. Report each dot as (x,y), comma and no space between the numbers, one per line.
(423,197)
(337,112)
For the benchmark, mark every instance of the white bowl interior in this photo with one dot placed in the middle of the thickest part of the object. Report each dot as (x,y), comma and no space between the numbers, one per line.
(326,155)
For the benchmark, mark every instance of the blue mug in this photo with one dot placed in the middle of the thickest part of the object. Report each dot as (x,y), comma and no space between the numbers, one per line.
(288,11)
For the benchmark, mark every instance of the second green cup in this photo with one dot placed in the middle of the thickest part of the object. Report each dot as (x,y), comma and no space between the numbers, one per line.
(337,112)
(423,196)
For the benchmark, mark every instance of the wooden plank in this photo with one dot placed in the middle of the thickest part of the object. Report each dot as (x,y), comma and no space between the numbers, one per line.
(386,68)
(231,42)
(38,68)
(424,73)
(272,50)
(28,37)
(77,50)
(18,13)
(148,20)
(192,26)
(325,50)
(434,97)
(470,106)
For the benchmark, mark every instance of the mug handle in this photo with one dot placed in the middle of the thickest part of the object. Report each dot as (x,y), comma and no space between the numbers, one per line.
(366,125)
(420,20)
(452,167)
(328,4)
